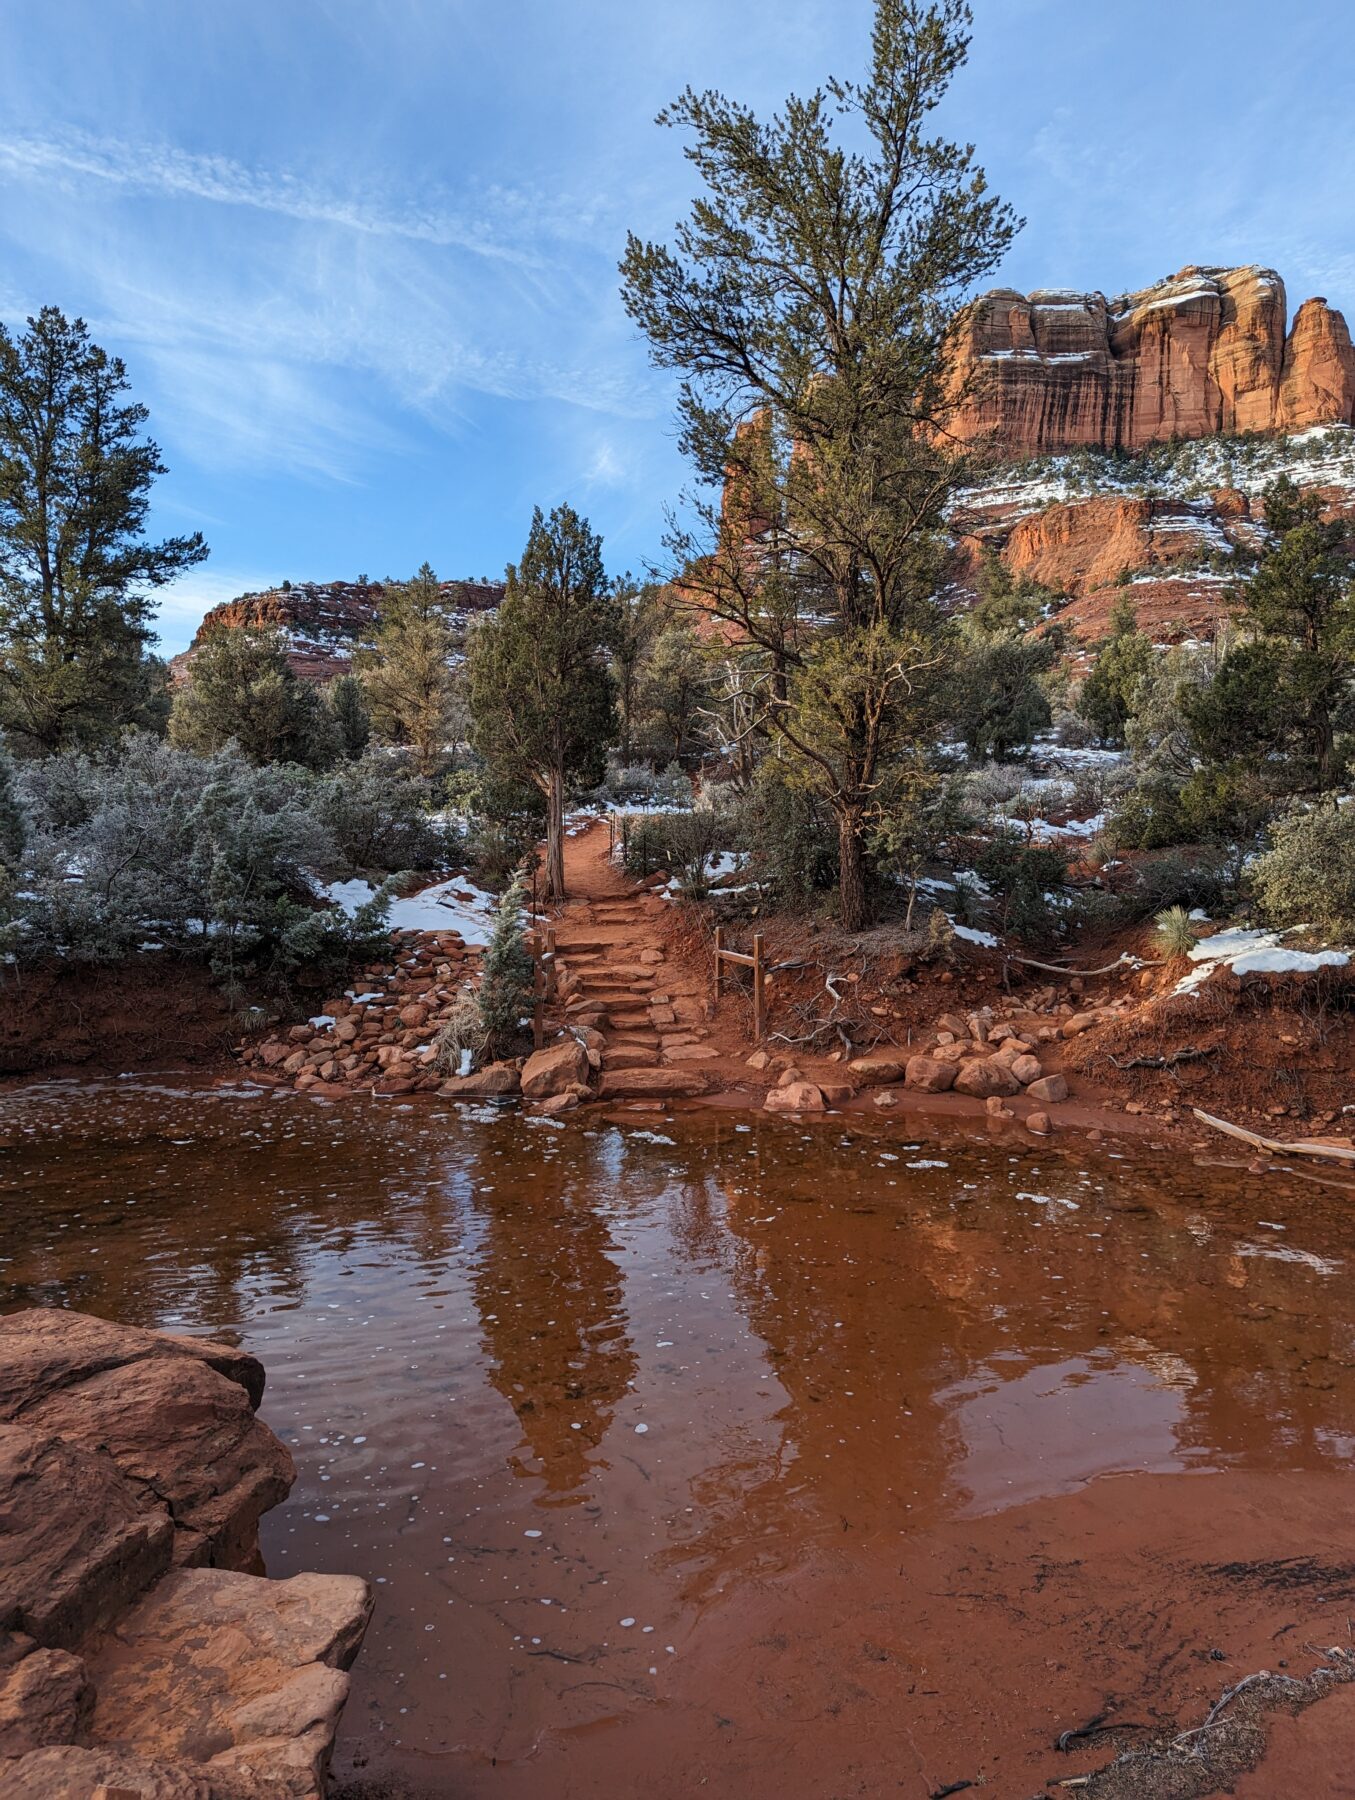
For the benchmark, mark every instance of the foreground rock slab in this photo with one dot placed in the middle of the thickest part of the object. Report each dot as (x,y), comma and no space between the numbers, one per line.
(122,1454)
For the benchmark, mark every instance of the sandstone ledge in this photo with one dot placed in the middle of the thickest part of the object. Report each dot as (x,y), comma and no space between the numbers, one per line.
(135,1653)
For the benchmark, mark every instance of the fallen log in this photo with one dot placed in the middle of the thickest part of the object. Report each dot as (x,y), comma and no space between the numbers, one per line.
(1304,1146)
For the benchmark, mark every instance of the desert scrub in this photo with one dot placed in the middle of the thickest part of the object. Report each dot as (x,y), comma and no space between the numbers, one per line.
(1307,877)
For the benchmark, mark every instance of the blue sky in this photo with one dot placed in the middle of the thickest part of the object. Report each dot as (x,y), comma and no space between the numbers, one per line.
(359,255)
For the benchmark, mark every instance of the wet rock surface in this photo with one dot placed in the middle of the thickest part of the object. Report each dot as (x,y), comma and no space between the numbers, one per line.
(122,1453)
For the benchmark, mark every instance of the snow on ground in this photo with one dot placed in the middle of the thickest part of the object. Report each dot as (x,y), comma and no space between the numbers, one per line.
(972,936)
(438,908)
(1254,953)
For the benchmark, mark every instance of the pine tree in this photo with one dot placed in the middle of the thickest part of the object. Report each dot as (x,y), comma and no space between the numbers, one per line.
(241,686)
(815,285)
(542,698)
(76,568)
(507,975)
(1299,610)
(348,709)
(408,675)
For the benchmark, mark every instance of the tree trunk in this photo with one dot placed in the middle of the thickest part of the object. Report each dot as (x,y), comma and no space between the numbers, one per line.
(851,870)
(555,836)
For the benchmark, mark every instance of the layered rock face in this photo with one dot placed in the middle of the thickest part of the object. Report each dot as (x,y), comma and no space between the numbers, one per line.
(1202,352)
(323,622)
(136,1655)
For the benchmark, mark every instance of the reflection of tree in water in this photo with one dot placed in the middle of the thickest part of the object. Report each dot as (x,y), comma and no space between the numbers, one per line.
(162,1205)
(874,1301)
(550,1299)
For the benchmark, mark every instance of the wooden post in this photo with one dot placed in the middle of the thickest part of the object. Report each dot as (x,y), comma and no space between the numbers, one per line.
(719,946)
(758,1000)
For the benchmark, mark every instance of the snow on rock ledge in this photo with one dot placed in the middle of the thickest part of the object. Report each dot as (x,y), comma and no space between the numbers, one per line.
(1254,953)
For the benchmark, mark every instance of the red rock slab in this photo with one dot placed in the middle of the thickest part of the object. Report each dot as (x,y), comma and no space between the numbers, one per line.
(231,1671)
(46,1349)
(645,1084)
(189,1439)
(78,1539)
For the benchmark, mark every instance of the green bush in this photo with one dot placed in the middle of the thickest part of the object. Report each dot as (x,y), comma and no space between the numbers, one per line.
(207,855)
(375,809)
(1307,877)
(1175,881)
(790,834)
(506,979)
(1023,876)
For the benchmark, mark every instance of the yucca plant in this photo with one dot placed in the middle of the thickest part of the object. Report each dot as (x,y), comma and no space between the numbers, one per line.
(1174,933)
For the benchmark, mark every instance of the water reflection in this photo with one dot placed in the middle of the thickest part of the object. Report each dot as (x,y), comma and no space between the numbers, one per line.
(550,1297)
(585,1401)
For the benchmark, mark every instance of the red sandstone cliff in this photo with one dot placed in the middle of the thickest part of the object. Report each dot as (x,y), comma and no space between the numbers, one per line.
(323,622)
(1202,352)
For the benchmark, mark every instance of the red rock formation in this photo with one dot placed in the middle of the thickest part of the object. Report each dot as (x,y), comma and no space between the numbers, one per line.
(1318,382)
(1204,351)
(323,622)
(123,1453)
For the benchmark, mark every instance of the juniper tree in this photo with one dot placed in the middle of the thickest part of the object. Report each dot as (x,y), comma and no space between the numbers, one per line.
(815,286)
(352,721)
(1123,663)
(639,621)
(1298,610)
(408,675)
(542,697)
(76,567)
(242,688)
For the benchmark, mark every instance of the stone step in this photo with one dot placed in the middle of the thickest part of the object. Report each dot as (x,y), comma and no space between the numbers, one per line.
(628,1021)
(636,1040)
(650,1084)
(640,1057)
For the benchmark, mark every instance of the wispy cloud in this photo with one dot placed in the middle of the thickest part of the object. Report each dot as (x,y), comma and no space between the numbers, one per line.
(506,223)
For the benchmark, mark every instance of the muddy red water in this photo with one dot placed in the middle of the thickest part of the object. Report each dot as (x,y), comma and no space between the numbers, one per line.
(726,1454)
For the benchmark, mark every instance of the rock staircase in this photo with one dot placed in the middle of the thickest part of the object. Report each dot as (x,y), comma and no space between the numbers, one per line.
(641,1016)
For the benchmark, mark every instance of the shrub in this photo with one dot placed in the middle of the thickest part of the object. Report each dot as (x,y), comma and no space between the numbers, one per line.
(1307,877)
(637,784)
(685,842)
(505,996)
(1175,881)
(1022,876)
(501,821)
(375,811)
(1174,934)
(208,855)
(790,835)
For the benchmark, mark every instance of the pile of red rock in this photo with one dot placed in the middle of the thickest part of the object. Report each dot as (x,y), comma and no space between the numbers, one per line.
(137,1655)
(982,1056)
(382,1033)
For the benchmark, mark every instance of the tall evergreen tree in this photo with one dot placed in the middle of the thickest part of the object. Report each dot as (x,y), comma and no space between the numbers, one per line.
(1299,611)
(76,566)
(814,286)
(542,697)
(639,620)
(240,686)
(348,709)
(408,675)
